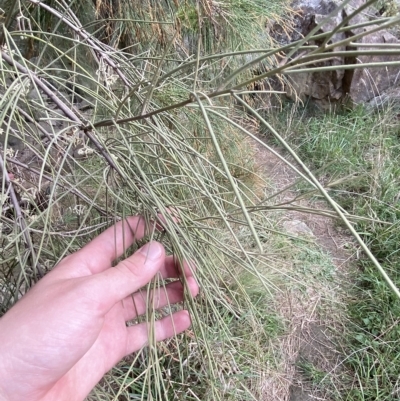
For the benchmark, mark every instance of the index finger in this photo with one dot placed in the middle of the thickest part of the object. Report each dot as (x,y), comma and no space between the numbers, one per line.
(99,254)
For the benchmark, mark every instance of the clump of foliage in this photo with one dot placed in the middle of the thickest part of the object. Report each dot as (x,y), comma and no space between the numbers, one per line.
(120,108)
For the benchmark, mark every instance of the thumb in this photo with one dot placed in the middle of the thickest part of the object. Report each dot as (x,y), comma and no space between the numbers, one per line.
(132,273)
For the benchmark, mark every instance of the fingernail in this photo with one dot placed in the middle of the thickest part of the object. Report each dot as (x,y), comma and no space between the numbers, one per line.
(152,250)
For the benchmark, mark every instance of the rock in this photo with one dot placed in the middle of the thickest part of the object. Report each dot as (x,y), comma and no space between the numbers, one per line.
(366,83)
(389,98)
(82,152)
(297,227)
(359,85)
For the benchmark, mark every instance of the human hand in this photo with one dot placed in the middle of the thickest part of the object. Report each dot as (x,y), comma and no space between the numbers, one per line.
(59,340)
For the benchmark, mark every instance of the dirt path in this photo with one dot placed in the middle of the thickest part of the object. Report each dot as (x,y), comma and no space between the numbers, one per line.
(307,341)
(329,236)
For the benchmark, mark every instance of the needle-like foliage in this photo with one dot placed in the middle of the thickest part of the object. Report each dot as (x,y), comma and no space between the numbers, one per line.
(115,108)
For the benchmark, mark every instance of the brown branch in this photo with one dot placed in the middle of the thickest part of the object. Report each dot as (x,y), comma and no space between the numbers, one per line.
(107,123)
(33,121)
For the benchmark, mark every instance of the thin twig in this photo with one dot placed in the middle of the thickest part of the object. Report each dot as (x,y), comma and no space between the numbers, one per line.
(284,69)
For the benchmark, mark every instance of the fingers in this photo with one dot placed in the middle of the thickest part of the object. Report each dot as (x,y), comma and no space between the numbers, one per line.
(118,283)
(169,294)
(173,269)
(99,254)
(163,329)
(136,304)
(115,284)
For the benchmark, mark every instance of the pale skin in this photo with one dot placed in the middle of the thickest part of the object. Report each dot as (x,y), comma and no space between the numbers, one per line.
(59,340)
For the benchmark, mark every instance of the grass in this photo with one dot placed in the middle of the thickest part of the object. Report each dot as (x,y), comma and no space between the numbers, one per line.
(356,154)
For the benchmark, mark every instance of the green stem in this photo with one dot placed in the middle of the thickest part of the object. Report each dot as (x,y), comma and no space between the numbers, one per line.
(227,172)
